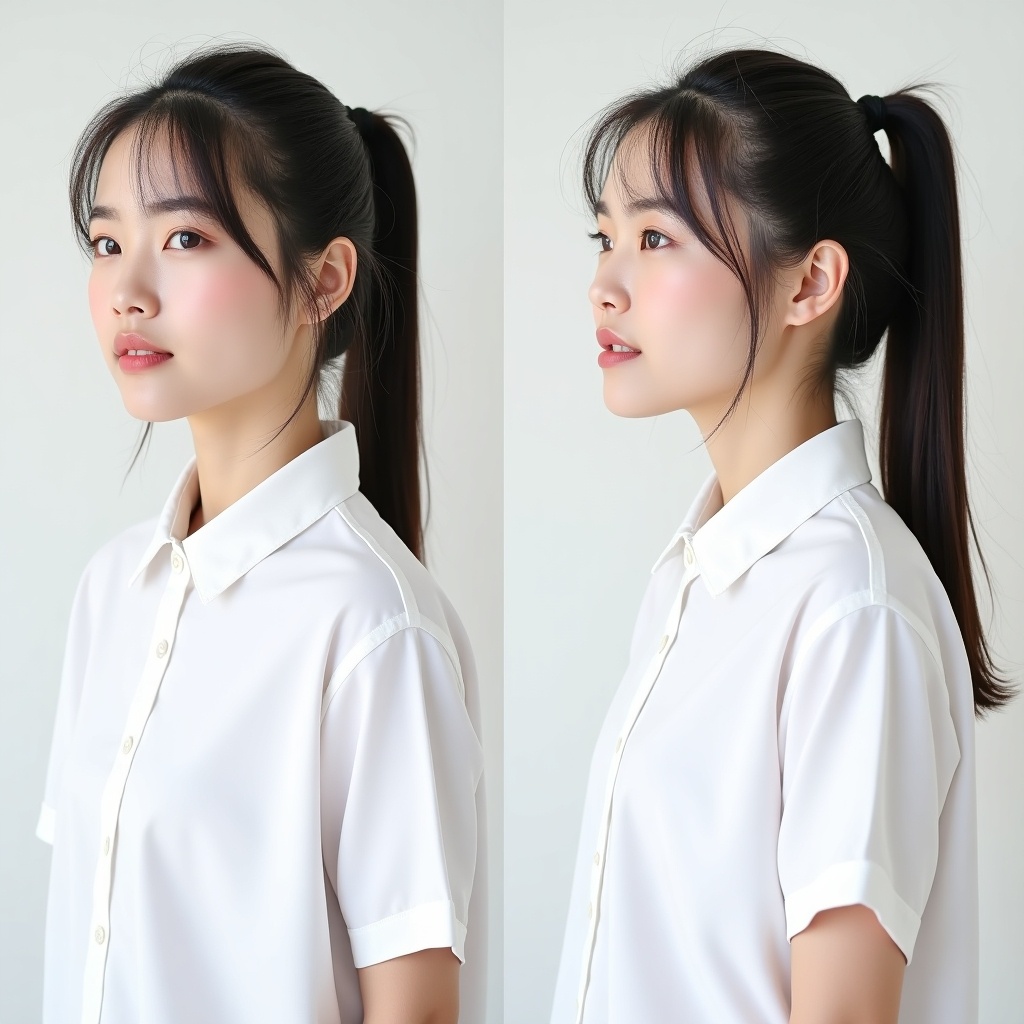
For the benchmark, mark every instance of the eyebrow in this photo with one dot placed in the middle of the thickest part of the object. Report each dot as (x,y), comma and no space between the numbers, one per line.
(643,204)
(169,204)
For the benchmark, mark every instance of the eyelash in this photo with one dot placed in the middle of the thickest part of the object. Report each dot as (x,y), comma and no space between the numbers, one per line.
(181,231)
(602,237)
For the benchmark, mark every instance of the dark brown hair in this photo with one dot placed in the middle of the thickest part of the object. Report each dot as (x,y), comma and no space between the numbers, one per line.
(233,112)
(785,140)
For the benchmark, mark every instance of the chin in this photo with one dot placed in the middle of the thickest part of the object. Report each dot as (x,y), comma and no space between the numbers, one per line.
(144,413)
(632,405)
(150,408)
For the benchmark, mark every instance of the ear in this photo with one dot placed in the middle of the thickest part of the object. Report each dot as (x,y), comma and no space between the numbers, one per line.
(818,281)
(336,274)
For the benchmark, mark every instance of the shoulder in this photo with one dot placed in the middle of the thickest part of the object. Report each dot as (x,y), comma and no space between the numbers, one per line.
(862,578)
(387,605)
(857,552)
(373,582)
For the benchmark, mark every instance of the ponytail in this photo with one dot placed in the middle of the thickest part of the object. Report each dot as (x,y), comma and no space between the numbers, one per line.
(380,392)
(921,435)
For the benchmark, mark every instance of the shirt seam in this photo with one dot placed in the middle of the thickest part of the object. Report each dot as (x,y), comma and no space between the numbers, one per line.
(878,871)
(401,581)
(376,638)
(846,606)
(876,556)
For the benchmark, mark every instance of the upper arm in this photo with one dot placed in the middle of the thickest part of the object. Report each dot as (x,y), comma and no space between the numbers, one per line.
(846,967)
(400,767)
(417,988)
(868,750)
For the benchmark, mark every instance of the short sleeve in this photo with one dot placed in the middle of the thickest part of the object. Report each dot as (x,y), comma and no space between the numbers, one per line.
(868,750)
(400,767)
(68,698)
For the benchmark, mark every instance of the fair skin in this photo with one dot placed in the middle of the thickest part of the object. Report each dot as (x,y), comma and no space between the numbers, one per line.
(670,299)
(175,277)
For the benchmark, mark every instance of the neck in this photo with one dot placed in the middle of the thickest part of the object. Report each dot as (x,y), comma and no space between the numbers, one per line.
(758,434)
(230,461)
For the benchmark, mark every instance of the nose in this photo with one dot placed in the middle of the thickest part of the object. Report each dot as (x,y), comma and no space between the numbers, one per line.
(608,291)
(133,293)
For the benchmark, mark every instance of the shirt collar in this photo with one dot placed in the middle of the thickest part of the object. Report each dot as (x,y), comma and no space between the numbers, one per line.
(727,540)
(277,509)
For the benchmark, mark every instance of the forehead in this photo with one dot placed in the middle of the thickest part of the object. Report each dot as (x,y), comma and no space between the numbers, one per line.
(137,169)
(643,173)
(631,171)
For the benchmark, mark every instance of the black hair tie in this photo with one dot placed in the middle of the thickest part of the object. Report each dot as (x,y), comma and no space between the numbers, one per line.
(362,118)
(874,107)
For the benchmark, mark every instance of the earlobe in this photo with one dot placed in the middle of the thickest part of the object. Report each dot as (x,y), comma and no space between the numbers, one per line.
(820,285)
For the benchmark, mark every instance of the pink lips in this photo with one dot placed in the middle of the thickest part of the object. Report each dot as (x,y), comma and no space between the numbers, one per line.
(606,339)
(132,364)
(123,343)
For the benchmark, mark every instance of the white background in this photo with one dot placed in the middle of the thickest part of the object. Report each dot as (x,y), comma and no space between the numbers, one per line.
(590,500)
(65,439)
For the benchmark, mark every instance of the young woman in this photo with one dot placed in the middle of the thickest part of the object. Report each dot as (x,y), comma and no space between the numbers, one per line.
(780,820)
(264,788)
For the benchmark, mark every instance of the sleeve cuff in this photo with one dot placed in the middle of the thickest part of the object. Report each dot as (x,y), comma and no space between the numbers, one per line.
(853,882)
(428,926)
(44,827)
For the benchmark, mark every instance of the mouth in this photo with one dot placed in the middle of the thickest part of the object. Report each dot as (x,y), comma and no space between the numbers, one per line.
(611,342)
(135,344)
(613,349)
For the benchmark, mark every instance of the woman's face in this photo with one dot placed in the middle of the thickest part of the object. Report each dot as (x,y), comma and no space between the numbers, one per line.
(170,275)
(681,312)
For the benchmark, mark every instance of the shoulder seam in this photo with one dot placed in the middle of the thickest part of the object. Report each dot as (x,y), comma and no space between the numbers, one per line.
(876,559)
(866,599)
(408,598)
(369,643)
(847,606)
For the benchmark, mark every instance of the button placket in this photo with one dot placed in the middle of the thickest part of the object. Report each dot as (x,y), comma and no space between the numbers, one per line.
(153,672)
(643,691)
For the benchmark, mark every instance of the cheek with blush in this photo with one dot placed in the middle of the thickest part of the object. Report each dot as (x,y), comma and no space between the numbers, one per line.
(234,308)
(704,308)
(221,295)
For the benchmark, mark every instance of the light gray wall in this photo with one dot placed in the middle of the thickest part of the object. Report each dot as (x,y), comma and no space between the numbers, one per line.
(590,500)
(65,439)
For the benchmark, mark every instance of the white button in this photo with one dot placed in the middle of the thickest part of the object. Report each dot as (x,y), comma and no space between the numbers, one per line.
(688,555)
(176,562)
(100,935)
(590,910)
(662,642)
(618,744)
(161,648)
(106,846)
(597,856)
(127,745)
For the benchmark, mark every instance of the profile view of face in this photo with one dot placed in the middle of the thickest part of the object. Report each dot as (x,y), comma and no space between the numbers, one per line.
(679,311)
(164,273)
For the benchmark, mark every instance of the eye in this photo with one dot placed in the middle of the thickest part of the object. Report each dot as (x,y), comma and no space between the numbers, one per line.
(651,239)
(606,242)
(189,239)
(99,246)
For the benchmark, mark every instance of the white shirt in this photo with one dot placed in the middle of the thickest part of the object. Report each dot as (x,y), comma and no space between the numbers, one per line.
(263,772)
(795,731)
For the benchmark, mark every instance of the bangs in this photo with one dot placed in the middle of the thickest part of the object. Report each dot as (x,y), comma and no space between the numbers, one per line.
(205,152)
(687,149)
